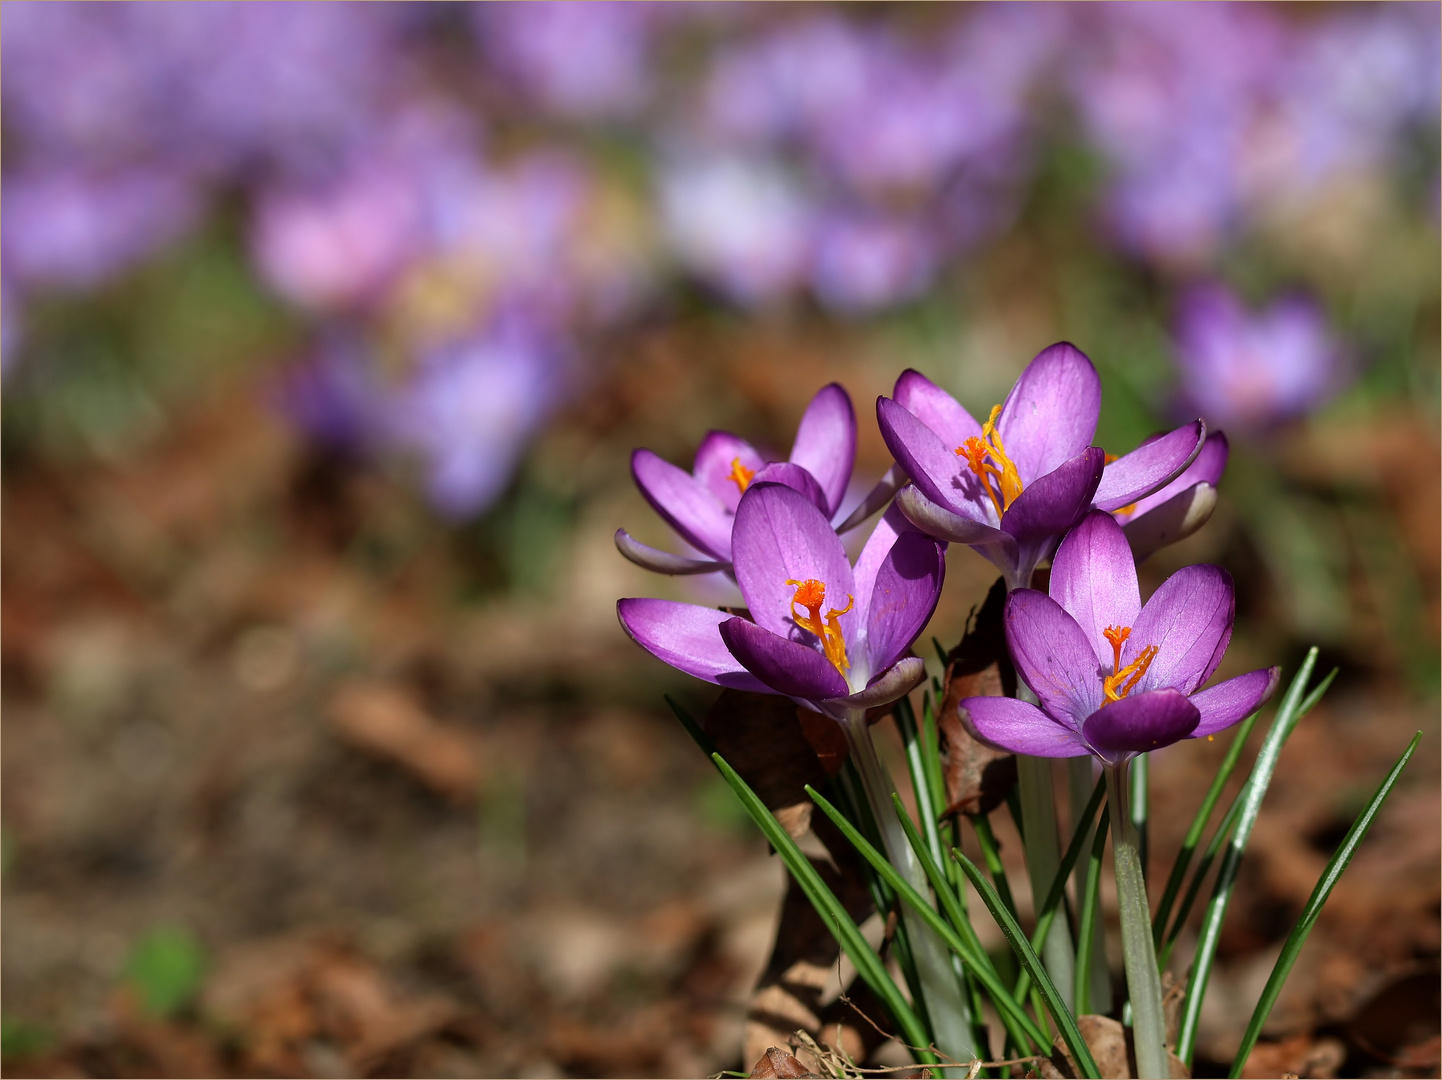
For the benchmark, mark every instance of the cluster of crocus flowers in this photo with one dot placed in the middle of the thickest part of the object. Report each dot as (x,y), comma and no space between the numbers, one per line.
(1103,674)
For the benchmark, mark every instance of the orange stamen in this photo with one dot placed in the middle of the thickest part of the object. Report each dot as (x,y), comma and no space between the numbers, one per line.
(740,475)
(976,451)
(811,594)
(1119,685)
(1117,635)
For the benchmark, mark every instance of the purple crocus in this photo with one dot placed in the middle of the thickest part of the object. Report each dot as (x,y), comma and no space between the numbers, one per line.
(1254,370)
(1116,678)
(702,505)
(832,637)
(1012,486)
(1181,507)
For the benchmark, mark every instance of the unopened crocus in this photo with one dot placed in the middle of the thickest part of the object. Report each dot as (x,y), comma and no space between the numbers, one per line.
(829,635)
(1010,487)
(701,505)
(1114,677)
(1180,508)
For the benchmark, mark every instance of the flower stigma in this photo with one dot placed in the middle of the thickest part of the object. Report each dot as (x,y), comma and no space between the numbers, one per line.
(976,451)
(740,475)
(811,594)
(1124,679)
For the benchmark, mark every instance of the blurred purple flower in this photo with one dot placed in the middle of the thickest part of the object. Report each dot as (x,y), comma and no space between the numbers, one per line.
(1250,371)
(585,61)
(471,407)
(740,222)
(74,229)
(865,262)
(333,394)
(1010,487)
(1114,677)
(802,639)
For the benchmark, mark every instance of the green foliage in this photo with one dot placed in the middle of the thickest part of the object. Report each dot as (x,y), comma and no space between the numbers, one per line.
(166,968)
(22,1039)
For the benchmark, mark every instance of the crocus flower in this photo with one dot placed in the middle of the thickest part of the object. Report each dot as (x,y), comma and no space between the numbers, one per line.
(1116,678)
(1012,486)
(701,505)
(832,637)
(1254,370)
(1180,508)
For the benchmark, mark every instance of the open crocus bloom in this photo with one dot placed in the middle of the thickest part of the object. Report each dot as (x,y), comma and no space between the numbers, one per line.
(1012,486)
(821,632)
(701,505)
(1181,507)
(1116,678)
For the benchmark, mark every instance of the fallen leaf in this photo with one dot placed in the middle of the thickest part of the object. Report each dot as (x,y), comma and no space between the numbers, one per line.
(777,1064)
(386,721)
(1111,1047)
(977,777)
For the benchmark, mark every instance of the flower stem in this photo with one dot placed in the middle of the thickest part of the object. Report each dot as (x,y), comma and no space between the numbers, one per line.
(945,1005)
(1043,859)
(1096,995)
(1144,985)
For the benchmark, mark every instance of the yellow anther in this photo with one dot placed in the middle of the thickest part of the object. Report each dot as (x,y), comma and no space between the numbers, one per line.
(811,594)
(740,475)
(977,451)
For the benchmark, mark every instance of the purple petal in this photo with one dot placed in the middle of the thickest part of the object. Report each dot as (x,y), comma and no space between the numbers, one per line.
(684,502)
(935,408)
(1206,468)
(1020,727)
(941,523)
(826,442)
(686,637)
(1189,620)
(878,546)
(908,585)
(875,499)
(1051,413)
(663,562)
(785,666)
(797,479)
(932,465)
(1223,705)
(1176,518)
(1094,579)
(1139,723)
(1053,655)
(898,680)
(715,458)
(1053,503)
(1149,467)
(781,536)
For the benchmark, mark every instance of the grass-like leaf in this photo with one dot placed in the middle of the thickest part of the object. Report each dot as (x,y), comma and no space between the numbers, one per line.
(1081,1054)
(961,940)
(1224,830)
(848,935)
(1048,910)
(1087,921)
(927,797)
(1298,937)
(991,853)
(1285,721)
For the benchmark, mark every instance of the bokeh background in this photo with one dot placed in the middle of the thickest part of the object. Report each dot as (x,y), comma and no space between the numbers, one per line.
(328,330)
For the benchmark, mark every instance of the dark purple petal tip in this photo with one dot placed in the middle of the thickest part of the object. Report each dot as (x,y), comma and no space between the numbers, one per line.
(1140,723)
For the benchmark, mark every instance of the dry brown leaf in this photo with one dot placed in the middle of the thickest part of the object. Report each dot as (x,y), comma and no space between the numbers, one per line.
(385,720)
(977,777)
(777,1064)
(1111,1046)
